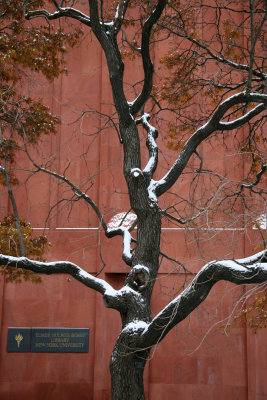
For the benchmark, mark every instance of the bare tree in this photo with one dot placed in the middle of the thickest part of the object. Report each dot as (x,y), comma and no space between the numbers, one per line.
(142,254)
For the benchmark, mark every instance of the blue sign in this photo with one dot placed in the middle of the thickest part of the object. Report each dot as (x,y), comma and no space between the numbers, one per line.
(48,340)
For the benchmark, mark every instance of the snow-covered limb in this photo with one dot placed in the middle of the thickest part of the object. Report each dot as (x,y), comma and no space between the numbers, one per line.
(61,12)
(255,258)
(135,326)
(226,126)
(127,239)
(119,15)
(240,272)
(58,267)
(202,133)
(152,134)
(118,231)
(69,12)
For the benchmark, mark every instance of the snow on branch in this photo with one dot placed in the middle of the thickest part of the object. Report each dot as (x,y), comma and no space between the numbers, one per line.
(110,231)
(61,12)
(58,267)
(120,13)
(152,134)
(122,224)
(214,124)
(224,126)
(238,98)
(248,270)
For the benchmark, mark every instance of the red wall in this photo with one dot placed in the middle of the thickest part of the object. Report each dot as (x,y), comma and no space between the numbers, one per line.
(193,362)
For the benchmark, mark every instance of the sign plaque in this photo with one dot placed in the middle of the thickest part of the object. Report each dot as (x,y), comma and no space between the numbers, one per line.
(48,340)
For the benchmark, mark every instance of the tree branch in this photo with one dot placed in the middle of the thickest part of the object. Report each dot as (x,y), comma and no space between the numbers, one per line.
(147,63)
(119,231)
(244,271)
(160,187)
(61,12)
(226,126)
(79,193)
(58,267)
(219,58)
(152,134)
(120,14)
(256,182)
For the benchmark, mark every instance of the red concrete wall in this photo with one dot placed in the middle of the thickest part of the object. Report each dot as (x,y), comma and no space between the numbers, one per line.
(193,362)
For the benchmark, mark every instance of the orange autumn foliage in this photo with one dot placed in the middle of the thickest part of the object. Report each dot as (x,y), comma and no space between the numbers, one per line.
(37,48)
(35,248)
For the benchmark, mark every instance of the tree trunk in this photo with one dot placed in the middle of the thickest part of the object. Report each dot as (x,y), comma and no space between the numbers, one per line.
(128,360)
(127,369)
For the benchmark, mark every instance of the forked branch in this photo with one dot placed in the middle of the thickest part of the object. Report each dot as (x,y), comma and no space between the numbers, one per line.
(119,231)
(59,13)
(214,124)
(240,272)
(147,63)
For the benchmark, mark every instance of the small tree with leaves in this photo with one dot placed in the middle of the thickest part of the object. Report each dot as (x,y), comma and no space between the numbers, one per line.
(40,49)
(220,62)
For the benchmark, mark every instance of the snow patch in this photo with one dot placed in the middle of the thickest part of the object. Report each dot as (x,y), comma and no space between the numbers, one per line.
(234,265)
(136,172)
(151,191)
(111,292)
(140,267)
(136,326)
(107,288)
(252,259)
(127,238)
(127,289)
(123,219)
(83,273)
(261,222)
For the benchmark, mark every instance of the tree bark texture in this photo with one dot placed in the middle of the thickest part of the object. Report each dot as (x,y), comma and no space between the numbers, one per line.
(127,369)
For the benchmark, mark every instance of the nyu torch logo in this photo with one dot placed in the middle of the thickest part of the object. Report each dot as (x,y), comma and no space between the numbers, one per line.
(18,339)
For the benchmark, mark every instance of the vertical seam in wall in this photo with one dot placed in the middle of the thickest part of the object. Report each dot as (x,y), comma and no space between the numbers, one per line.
(247,359)
(2,294)
(98,198)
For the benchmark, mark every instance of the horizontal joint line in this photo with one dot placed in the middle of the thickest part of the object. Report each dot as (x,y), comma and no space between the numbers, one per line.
(163,229)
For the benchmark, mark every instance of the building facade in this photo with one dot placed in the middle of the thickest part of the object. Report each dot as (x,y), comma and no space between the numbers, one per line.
(195,361)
